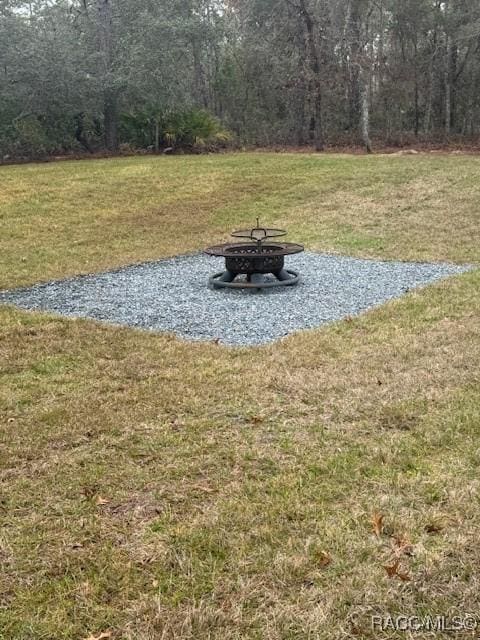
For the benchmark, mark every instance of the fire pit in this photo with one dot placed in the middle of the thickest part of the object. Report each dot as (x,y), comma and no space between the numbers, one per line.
(255,259)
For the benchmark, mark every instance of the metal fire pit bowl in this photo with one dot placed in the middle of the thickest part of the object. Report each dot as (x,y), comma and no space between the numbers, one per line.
(255,259)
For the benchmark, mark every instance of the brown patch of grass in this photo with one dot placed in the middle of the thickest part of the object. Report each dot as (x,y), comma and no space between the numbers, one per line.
(214,521)
(238,485)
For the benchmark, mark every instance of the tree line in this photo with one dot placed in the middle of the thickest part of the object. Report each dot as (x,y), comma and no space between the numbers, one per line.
(86,75)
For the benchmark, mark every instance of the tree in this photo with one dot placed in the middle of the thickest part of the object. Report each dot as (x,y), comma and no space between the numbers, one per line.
(73,72)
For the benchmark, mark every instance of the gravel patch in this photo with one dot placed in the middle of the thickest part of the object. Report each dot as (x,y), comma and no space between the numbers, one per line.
(172,295)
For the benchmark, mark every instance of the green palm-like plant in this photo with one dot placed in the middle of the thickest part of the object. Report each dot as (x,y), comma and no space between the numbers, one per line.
(155,127)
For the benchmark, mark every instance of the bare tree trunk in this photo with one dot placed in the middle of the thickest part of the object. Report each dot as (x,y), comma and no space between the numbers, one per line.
(453,84)
(467,129)
(448,85)
(360,77)
(303,98)
(381,64)
(447,77)
(316,125)
(429,104)
(200,85)
(365,111)
(300,121)
(415,98)
(355,106)
(431,74)
(157,136)
(110,118)
(110,97)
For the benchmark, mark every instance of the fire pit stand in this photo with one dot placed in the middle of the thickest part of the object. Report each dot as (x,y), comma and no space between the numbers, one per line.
(255,259)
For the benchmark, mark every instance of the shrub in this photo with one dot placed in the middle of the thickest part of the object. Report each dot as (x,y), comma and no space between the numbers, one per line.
(41,135)
(193,129)
(26,137)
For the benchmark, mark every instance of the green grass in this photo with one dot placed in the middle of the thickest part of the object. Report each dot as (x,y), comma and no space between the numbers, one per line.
(71,217)
(153,488)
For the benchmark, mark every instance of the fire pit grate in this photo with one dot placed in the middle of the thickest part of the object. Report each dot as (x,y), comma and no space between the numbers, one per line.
(255,260)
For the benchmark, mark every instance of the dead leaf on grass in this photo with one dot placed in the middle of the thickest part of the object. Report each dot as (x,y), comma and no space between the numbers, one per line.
(323,559)
(433,527)
(377,524)
(403,545)
(394,570)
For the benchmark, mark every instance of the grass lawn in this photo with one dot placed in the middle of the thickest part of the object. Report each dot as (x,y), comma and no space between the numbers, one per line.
(157,489)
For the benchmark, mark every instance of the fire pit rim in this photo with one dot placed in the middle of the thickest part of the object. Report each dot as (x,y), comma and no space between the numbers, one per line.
(229,249)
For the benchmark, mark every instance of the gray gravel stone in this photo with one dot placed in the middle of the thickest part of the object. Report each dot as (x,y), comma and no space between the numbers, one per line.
(172,295)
